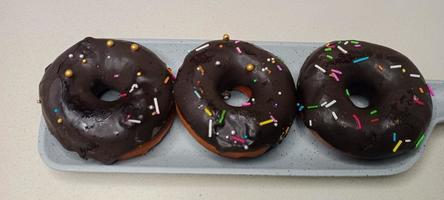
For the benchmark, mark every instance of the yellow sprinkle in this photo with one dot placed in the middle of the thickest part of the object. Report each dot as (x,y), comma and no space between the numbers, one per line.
(208,111)
(397,146)
(266,122)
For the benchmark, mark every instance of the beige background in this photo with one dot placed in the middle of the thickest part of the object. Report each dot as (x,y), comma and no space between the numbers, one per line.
(34,33)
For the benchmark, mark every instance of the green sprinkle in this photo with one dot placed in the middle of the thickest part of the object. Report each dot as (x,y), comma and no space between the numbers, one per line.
(373,112)
(312,107)
(420,140)
(327,49)
(254,80)
(222,117)
(347,92)
(354,42)
(330,57)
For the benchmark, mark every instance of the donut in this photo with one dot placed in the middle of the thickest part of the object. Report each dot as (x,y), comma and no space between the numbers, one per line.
(399,105)
(114,129)
(205,78)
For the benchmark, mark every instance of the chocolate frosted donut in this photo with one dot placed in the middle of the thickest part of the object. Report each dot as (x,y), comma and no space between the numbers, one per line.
(71,90)
(216,67)
(399,108)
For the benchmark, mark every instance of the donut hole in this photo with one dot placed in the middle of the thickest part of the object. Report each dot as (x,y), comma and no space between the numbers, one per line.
(361,94)
(103,92)
(237,96)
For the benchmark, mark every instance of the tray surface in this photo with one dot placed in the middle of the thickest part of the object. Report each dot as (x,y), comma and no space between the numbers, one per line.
(300,154)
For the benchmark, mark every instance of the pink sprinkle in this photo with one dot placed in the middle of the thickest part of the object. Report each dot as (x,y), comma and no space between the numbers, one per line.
(335,76)
(279,67)
(274,119)
(332,46)
(237,41)
(336,71)
(123,95)
(432,93)
(238,50)
(357,121)
(236,138)
(246,104)
(357,45)
(417,101)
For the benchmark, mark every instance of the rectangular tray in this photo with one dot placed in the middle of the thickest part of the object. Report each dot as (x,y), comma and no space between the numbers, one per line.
(301,154)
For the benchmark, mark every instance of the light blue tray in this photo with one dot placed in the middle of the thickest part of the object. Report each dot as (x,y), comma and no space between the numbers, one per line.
(301,154)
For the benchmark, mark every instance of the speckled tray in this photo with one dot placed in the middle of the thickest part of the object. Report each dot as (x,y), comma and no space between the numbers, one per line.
(301,154)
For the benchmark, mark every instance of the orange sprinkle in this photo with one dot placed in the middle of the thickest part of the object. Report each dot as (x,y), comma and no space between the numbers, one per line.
(166,80)
(380,68)
(421,90)
(375,120)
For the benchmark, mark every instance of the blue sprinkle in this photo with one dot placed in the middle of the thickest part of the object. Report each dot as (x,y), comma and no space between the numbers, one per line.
(360,59)
(394,137)
(301,108)
(56,110)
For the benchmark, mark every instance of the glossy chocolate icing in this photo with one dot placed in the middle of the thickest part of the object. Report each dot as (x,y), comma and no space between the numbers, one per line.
(106,130)
(219,66)
(399,109)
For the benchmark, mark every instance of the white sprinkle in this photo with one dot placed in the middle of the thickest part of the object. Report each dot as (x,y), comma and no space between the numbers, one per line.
(108,57)
(203,47)
(310,123)
(330,104)
(151,107)
(323,104)
(133,87)
(238,50)
(81,56)
(116,132)
(217,63)
(156,105)
(275,124)
(233,132)
(245,147)
(210,127)
(226,137)
(320,68)
(268,59)
(279,93)
(342,50)
(407,140)
(334,115)
(415,75)
(395,66)
(346,42)
(134,121)
(70,55)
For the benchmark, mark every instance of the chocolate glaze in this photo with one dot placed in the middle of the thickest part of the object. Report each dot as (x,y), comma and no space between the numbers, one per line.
(98,129)
(209,71)
(390,89)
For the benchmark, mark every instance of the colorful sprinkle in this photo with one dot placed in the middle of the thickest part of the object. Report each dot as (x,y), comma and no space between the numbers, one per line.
(310,123)
(312,107)
(420,140)
(380,67)
(415,75)
(347,92)
(394,136)
(334,76)
(210,127)
(266,122)
(246,104)
(432,93)
(327,49)
(330,104)
(279,67)
(165,81)
(222,117)
(334,115)
(238,50)
(208,111)
(56,110)
(354,42)
(197,94)
(395,66)
(330,57)
(156,105)
(397,146)
(202,47)
(134,121)
(358,121)
(421,90)
(417,101)
(301,108)
(374,112)
(336,71)
(360,59)
(342,50)
(374,120)
(320,68)
(133,87)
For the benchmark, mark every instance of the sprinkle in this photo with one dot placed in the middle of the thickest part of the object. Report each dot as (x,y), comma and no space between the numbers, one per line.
(394,137)
(380,67)
(415,75)
(374,120)
(342,50)
(236,42)
(208,111)
(238,139)
(420,140)
(330,57)
(397,146)
(246,104)
(70,55)
(432,93)
(56,110)
(320,68)
(310,123)
(116,75)
(334,115)
(59,120)
(395,66)
(274,119)
(301,108)
(354,42)
(327,49)
(360,59)
(421,90)
(156,105)
(210,127)
(165,81)
(330,104)
(408,140)
(403,70)
(323,104)
(238,50)
(417,101)
(81,56)
(217,63)
(279,67)
(202,47)
(357,45)
(133,87)
(312,107)
(201,69)
(134,121)
(222,117)
(197,94)
(266,122)
(357,121)
(279,93)
(139,73)
(335,76)
(346,42)
(123,94)
(373,112)
(347,92)
(336,71)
